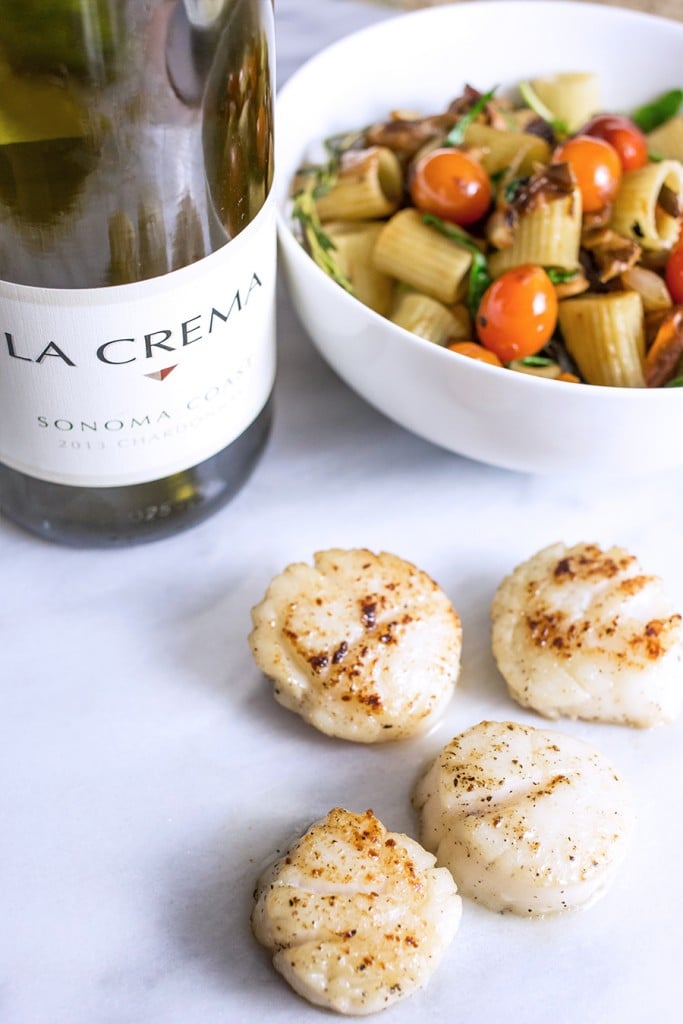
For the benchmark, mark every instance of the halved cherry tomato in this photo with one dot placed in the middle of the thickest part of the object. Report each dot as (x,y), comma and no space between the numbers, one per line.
(452,185)
(596,167)
(623,135)
(475,351)
(673,273)
(517,313)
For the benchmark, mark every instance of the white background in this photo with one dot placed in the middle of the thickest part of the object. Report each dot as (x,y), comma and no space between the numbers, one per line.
(146,774)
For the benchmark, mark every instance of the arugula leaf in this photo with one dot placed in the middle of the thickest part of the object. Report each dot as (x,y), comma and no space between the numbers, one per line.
(661,109)
(456,136)
(479,276)
(534,101)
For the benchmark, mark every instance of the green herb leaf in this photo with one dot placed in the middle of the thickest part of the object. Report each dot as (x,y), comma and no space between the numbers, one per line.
(498,176)
(536,361)
(317,180)
(479,276)
(511,188)
(324,176)
(662,109)
(456,136)
(676,382)
(319,246)
(538,106)
(558,275)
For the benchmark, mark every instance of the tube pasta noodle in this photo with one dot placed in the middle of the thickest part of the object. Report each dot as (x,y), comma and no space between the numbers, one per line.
(605,335)
(430,319)
(667,140)
(549,235)
(572,96)
(369,184)
(354,243)
(429,218)
(503,148)
(637,211)
(420,256)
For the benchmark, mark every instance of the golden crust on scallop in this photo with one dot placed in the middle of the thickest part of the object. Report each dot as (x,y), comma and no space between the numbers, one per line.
(584,633)
(363,646)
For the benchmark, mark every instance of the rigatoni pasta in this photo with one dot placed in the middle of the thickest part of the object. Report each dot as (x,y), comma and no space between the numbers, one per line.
(548,234)
(369,184)
(571,96)
(430,319)
(418,255)
(605,336)
(639,211)
(501,149)
(354,244)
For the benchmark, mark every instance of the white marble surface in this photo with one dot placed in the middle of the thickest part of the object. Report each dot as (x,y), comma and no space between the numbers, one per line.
(146,773)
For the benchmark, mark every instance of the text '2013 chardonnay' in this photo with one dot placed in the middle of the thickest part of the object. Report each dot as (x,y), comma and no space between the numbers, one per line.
(137,261)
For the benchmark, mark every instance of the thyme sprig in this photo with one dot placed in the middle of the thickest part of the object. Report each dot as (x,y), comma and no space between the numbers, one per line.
(315,180)
(314,239)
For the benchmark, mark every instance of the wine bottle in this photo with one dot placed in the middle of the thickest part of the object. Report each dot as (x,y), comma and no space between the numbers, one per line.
(137,261)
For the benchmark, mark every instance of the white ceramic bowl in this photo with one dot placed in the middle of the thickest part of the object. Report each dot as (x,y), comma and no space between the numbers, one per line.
(421,60)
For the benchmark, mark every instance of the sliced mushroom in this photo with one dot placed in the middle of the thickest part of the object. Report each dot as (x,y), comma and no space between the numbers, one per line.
(405,135)
(664,354)
(611,253)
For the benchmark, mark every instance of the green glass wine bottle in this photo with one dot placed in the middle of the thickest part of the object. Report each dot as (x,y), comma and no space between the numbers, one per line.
(137,261)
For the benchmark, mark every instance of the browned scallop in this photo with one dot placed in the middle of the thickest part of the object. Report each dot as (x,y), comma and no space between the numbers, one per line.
(528,820)
(585,633)
(357,917)
(363,646)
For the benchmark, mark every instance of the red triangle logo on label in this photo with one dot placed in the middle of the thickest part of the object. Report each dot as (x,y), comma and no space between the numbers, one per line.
(161,374)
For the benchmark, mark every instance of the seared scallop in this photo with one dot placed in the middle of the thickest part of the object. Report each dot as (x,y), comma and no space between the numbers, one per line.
(584,633)
(356,917)
(527,820)
(363,646)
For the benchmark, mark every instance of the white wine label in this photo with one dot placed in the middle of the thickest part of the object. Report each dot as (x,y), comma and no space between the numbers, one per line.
(114,386)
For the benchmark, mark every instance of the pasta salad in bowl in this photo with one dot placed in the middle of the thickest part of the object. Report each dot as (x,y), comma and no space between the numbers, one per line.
(483,237)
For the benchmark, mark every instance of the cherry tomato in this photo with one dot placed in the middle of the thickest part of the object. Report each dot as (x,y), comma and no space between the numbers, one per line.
(475,351)
(596,167)
(452,185)
(623,135)
(517,313)
(673,274)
